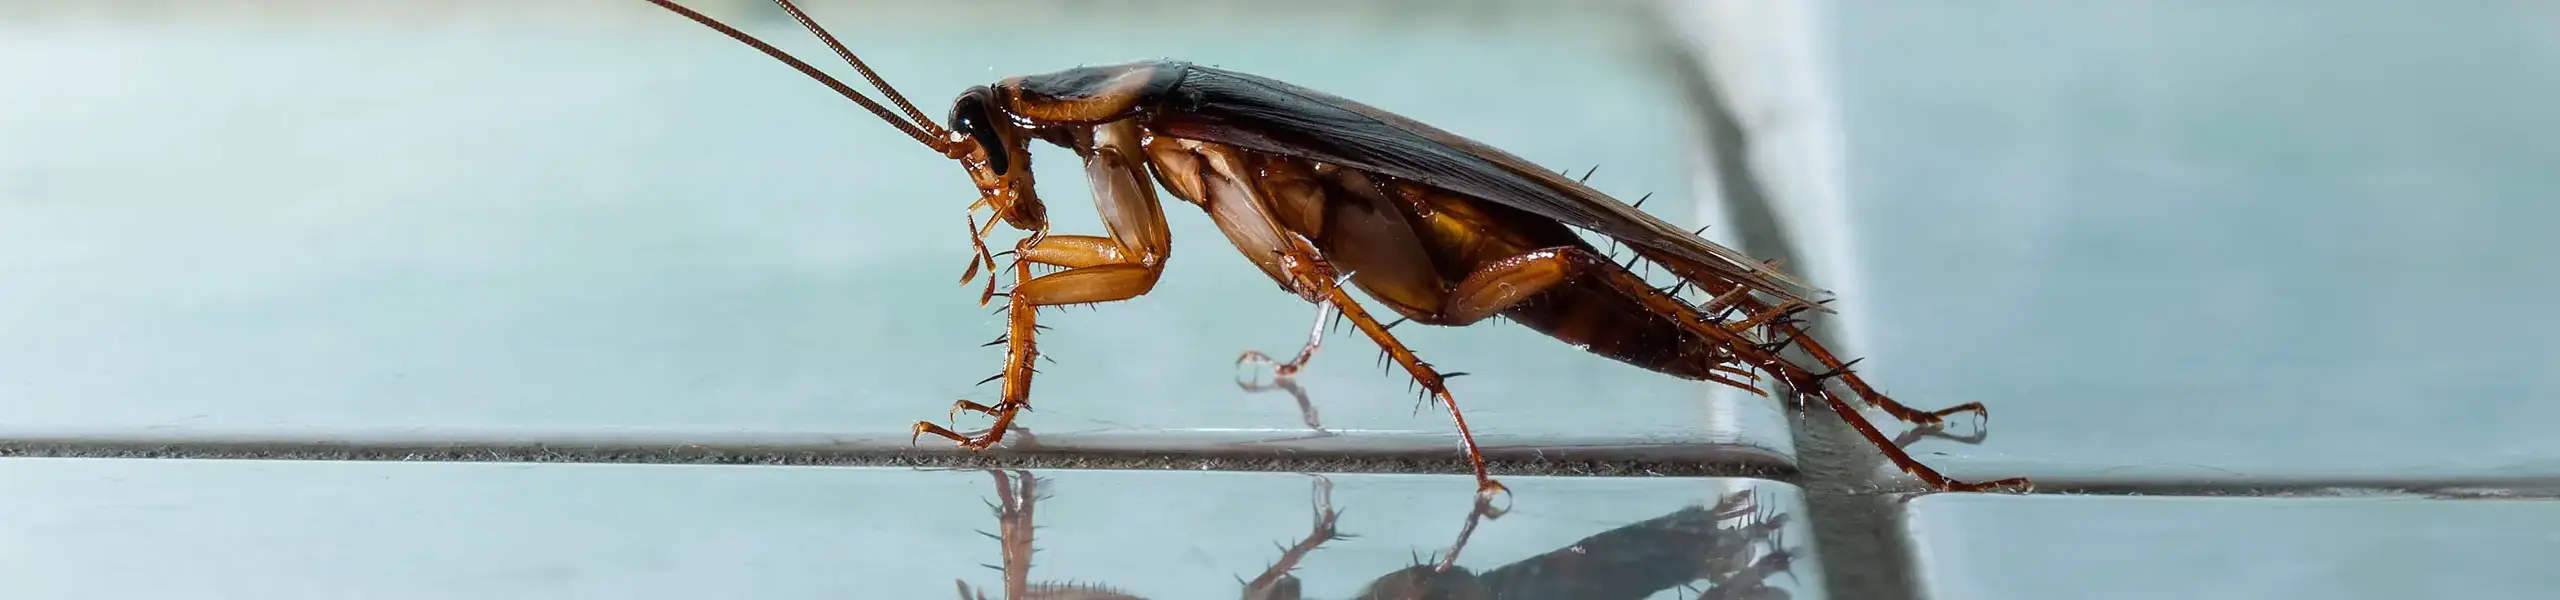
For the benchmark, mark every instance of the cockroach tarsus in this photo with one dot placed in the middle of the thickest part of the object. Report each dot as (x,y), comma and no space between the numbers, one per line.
(1325,194)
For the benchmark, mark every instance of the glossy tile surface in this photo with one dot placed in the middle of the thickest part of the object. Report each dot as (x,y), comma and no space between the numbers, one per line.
(2102,548)
(2193,241)
(74,528)
(486,225)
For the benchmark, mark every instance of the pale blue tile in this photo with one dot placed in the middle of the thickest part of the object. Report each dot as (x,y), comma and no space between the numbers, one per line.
(2100,548)
(2185,241)
(610,222)
(75,528)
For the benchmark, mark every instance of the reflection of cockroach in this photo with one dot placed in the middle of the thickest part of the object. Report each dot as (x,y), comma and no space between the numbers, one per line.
(1685,548)
(1319,190)
(1639,560)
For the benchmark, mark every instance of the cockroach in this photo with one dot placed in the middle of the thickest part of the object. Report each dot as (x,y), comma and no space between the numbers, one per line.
(1324,194)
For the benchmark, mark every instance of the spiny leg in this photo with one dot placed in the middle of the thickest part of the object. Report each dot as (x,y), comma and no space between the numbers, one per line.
(1310,271)
(1119,266)
(1801,380)
(1868,393)
(1510,281)
(1020,325)
(1729,295)
(1092,277)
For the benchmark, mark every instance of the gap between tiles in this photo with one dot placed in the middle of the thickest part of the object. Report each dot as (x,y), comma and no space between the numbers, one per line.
(701,454)
(1841,484)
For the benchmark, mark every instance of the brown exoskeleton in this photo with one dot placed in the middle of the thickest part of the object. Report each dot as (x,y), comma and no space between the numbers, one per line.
(1320,191)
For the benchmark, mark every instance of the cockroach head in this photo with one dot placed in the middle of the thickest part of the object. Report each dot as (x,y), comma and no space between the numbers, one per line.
(996,154)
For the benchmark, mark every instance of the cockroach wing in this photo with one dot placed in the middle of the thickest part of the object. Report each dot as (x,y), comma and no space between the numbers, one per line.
(1267,115)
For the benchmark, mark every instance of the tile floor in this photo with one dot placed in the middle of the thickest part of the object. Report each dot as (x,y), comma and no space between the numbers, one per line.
(602,224)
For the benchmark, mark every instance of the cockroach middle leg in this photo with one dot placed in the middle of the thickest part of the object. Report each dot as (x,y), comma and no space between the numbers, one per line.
(1316,279)
(1315,339)
(1506,282)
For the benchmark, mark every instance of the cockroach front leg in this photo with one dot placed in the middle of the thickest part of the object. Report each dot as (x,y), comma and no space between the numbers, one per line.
(1123,265)
(1510,281)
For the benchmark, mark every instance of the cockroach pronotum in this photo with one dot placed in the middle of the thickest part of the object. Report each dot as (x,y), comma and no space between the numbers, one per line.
(1323,194)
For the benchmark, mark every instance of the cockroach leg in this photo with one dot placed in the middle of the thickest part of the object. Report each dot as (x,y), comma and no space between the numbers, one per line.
(1786,332)
(1099,269)
(1019,352)
(1509,281)
(1870,395)
(1092,277)
(1313,278)
(1315,339)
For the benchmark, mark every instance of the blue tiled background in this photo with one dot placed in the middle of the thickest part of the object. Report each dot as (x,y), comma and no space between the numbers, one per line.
(2242,284)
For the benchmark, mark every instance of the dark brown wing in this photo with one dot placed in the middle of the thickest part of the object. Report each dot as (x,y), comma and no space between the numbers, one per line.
(1267,115)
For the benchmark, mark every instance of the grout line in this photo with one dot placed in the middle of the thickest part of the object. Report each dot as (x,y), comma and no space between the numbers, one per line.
(1856,531)
(767,455)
